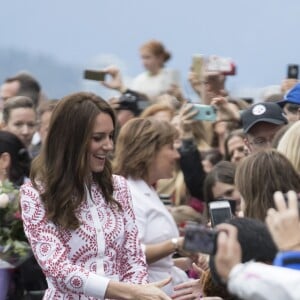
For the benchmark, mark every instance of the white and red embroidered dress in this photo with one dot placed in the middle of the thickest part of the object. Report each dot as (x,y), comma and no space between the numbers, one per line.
(78,264)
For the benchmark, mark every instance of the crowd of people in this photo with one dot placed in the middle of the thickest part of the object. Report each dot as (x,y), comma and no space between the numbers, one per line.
(107,187)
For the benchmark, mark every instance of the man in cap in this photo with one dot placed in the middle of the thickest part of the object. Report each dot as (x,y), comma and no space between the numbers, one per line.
(260,122)
(291,103)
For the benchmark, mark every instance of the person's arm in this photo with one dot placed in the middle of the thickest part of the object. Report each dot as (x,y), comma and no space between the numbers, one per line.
(262,282)
(224,111)
(120,290)
(190,157)
(192,169)
(134,268)
(155,252)
(115,82)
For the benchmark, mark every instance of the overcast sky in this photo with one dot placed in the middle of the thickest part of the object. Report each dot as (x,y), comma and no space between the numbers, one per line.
(262,36)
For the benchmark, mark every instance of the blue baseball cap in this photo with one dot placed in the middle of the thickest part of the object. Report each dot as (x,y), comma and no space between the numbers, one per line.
(292,96)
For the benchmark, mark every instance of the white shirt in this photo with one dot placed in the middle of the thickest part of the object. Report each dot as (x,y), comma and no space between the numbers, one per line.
(155,225)
(154,85)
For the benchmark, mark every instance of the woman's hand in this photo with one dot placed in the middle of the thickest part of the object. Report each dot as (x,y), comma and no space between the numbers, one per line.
(229,252)
(188,290)
(116,82)
(283,223)
(151,291)
(186,120)
(225,110)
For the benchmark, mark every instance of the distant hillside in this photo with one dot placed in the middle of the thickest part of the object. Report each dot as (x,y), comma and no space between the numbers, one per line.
(57,79)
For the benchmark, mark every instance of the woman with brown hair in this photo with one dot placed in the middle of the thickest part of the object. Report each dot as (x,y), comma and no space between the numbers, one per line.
(144,154)
(155,80)
(259,176)
(77,215)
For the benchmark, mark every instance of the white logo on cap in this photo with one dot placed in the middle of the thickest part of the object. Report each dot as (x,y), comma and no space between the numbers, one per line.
(258,110)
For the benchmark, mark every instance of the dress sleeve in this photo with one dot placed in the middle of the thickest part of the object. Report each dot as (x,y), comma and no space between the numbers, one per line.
(262,282)
(52,253)
(134,267)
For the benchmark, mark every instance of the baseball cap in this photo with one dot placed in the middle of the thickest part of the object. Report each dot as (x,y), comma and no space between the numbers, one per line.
(268,112)
(292,96)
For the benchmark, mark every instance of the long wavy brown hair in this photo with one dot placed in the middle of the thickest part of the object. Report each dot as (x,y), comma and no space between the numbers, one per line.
(61,171)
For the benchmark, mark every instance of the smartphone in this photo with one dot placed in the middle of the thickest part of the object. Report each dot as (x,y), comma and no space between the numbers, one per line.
(94,75)
(232,204)
(205,112)
(219,211)
(198,65)
(293,71)
(224,65)
(198,238)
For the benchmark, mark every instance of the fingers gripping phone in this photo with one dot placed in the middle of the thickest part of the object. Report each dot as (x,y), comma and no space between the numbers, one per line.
(94,75)
(219,212)
(198,238)
(205,112)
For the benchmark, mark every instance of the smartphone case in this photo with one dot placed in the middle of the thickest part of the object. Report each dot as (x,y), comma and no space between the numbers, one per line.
(205,112)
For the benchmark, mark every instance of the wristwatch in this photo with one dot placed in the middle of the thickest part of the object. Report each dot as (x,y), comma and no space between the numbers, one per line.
(175,244)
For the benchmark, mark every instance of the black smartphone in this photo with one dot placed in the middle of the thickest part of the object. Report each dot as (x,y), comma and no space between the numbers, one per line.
(293,71)
(198,238)
(94,75)
(219,212)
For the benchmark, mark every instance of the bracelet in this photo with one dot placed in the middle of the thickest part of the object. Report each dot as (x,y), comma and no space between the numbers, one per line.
(175,243)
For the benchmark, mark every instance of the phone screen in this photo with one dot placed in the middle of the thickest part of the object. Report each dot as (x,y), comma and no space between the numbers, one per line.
(219,215)
(219,211)
(293,72)
(232,203)
(94,75)
(199,239)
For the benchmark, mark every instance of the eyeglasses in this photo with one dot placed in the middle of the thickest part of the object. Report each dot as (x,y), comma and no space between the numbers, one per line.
(261,142)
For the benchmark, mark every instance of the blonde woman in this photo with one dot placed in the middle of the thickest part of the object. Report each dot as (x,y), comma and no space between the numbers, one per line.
(289,145)
(144,154)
